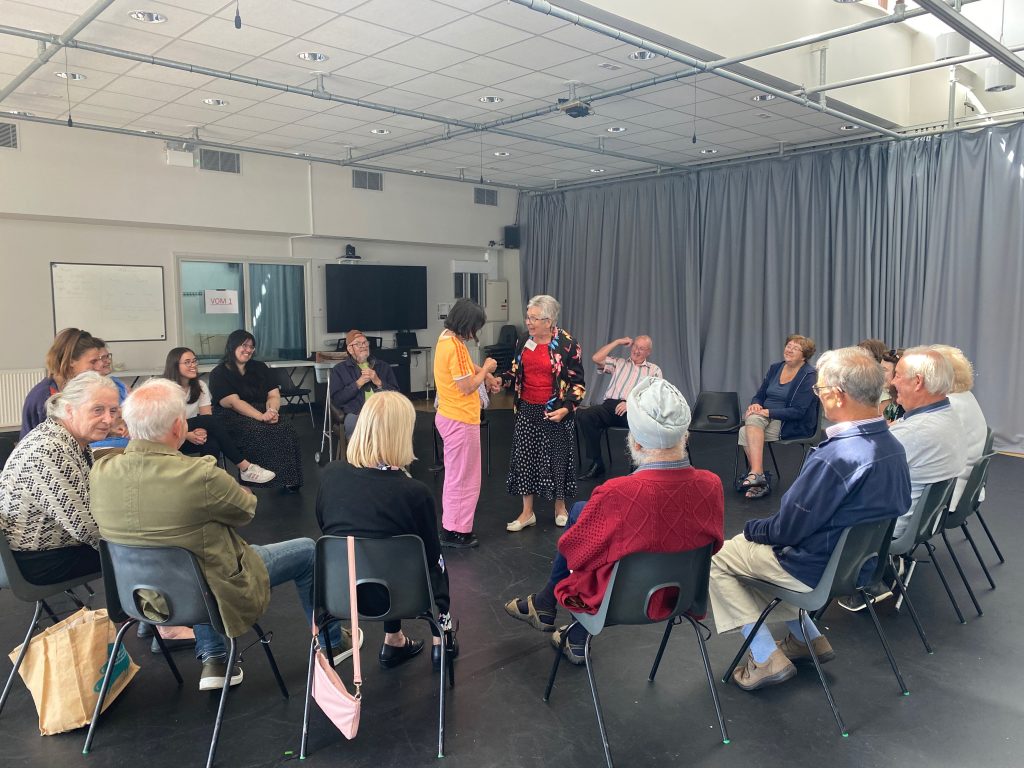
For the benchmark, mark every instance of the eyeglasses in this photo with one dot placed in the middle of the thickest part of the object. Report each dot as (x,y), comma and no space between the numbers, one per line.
(189,363)
(818,390)
(106,358)
(358,344)
(538,319)
(250,347)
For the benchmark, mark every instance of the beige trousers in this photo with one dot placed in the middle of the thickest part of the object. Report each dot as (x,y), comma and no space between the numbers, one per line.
(771,428)
(735,604)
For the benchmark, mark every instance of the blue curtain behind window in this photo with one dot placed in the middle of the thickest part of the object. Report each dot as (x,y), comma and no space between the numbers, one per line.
(277,302)
(918,241)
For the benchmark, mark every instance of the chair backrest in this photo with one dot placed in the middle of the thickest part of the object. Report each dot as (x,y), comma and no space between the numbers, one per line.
(638,577)
(283,379)
(7,445)
(395,566)
(989,440)
(859,544)
(817,435)
(172,573)
(970,499)
(10,573)
(926,517)
(716,412)
(508,335)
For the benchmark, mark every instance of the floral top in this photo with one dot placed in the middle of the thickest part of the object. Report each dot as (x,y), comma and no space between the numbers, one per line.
(569,388)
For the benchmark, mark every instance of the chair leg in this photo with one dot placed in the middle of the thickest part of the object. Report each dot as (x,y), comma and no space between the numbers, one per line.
(661,650)
(963,576)
(270,658)
(869,604)
(821,676)
(608,445)
(21,654)
(232,652)
(166,653)
(977,554)
(597,702)
(749,639)
(991,538)
(311,419)
(903,596)
(105,685)
(558,659)
(942,576)
(74,598)
(308,698)
(771,452)
(54,618)
(444,661)
(711,677)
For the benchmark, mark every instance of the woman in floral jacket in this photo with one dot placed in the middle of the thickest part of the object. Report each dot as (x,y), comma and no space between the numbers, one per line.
(547,376)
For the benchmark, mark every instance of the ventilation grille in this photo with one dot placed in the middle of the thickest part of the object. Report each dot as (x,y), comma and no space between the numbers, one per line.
(483,196)
(215,160)
(368,180)
(8,135)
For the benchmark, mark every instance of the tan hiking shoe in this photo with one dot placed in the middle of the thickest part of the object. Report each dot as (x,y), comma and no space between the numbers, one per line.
(751,676)
(795,650)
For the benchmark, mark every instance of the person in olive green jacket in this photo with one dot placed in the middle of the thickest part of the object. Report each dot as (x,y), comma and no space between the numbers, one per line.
(151,495)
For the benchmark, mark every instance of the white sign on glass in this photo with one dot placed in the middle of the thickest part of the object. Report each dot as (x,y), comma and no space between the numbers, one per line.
(221,302)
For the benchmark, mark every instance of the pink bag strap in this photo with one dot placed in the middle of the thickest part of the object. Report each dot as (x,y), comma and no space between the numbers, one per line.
(353,609)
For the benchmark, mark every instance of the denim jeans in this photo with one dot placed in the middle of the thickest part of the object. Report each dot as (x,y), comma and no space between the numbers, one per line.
(559,568)
(285,561)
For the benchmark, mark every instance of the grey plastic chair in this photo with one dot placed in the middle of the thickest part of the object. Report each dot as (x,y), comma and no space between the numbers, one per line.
(806,443)
(966,507)
(12,579)
(977,512)
(856,547)
(398,567)
(634,582)
(175,574)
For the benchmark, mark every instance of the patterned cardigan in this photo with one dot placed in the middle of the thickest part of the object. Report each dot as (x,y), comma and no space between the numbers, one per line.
(569,388)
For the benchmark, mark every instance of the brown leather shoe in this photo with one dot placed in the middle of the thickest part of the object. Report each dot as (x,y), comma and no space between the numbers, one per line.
(751,676)
(794,650)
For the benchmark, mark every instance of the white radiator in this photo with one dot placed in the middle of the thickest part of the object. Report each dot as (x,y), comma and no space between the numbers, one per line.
(14,385)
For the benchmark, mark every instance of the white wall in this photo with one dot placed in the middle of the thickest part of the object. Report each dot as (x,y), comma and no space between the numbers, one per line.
(80,196)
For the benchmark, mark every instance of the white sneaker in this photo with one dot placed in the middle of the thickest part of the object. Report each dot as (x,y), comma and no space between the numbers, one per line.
(346,640)
(257,474)
(212,677)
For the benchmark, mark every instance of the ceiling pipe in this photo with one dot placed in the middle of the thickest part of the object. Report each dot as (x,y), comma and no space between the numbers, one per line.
(542,6)
(56,44)
(960,23)
(904,71)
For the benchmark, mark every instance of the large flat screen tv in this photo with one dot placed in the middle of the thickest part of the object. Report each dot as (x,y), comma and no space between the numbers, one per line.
(376,297)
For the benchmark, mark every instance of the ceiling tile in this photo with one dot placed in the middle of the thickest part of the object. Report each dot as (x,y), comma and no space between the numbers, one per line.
(537,52)
(289,54)
(14,65)
(247,123)
(484,71)
(522,18)
(221,33)
(170,76)
(356,35)
(439,86)
(477,34)
(135,86)
(192,114)
(33,17)
(282,16)
(425,54)
(204,55)
(413,18)
(275,112)
(138,104)
(380,72)
(584,39)
(264,69)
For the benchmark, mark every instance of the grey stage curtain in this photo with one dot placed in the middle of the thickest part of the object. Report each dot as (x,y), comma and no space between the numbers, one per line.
(912,242)
(276,290)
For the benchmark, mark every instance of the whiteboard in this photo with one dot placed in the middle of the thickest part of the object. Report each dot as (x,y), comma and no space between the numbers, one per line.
(114,302)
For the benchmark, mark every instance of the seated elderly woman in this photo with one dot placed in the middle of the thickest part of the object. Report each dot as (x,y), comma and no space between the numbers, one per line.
(73,351)
(965,406)
(782,409)
(118,437)
(374,496)
(247,401)
(44,487)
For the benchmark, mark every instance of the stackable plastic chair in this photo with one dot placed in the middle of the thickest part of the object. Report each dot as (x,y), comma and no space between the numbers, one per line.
(716,413)
(634,581)
(292,394)
(977,512)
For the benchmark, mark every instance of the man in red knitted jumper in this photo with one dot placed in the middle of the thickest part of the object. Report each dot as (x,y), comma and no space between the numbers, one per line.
(665,505)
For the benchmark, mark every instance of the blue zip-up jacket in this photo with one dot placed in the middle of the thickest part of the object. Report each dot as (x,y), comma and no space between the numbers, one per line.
(799,418)
(858,476)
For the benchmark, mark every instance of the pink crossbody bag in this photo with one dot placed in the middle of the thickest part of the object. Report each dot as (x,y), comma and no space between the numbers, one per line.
(329,690)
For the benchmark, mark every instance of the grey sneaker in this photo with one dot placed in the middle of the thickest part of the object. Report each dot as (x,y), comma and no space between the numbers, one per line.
(346,646)
(795,650)
(854,603)
(257,474)
(212,677)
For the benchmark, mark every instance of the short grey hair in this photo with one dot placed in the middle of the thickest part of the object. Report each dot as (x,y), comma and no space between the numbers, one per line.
(151,410)
(76,393)
(932,366)
(853,370)
(548,306)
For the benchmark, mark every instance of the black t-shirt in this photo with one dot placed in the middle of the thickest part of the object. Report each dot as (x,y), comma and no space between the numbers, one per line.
(252,387)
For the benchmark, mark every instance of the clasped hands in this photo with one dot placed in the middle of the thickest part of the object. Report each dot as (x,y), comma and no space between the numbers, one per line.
(491,382)
(755,409)
(368,375)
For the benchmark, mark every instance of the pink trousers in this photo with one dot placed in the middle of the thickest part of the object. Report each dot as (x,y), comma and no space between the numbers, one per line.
(461,473)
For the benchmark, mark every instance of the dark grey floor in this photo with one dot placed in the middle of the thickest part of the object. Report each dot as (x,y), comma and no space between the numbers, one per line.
(965,706)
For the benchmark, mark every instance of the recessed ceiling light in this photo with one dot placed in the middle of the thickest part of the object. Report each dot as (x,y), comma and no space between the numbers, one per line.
(763,97)
(642,55)
(491,99)
(616,129)
(70,75)
(597,170)
(765,116)
(17,112)
(380,131)
(147,17)
(609,66)
(418,170)
(501,154)
(709,151)
(215,102)
(848,127)
(313,56)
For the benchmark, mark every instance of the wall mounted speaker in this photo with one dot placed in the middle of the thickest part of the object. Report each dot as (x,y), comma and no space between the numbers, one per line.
(512,237)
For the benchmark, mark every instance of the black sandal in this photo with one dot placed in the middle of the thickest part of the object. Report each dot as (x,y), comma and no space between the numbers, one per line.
(750,480)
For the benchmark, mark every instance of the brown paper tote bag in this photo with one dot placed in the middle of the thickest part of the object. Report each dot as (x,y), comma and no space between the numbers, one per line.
(64,666)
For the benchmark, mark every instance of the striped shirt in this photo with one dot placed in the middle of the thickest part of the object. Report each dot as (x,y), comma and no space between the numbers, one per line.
(625,375)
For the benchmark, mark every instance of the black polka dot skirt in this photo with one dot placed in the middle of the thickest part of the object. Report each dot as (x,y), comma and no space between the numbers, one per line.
(543,461)
(271,446)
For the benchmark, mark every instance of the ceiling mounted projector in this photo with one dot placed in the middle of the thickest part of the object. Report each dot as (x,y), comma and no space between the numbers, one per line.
(574,107)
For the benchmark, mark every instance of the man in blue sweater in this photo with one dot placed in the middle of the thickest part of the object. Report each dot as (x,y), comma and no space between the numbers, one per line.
(857,475)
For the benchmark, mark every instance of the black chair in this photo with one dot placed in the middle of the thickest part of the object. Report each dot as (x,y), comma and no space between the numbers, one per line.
(966,507)
(977,512)
(634,582)
(806,442)
(595,393)
(857,545)
(11,578)
(7,445)
(715,413)
(395,566)
(175,575)
(291,394)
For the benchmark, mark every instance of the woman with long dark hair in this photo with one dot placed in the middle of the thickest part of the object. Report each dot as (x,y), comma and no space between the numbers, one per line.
(247,402)
(206,436)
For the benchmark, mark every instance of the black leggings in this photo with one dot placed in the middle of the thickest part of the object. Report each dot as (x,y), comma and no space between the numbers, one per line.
(218,441)
(52,566)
